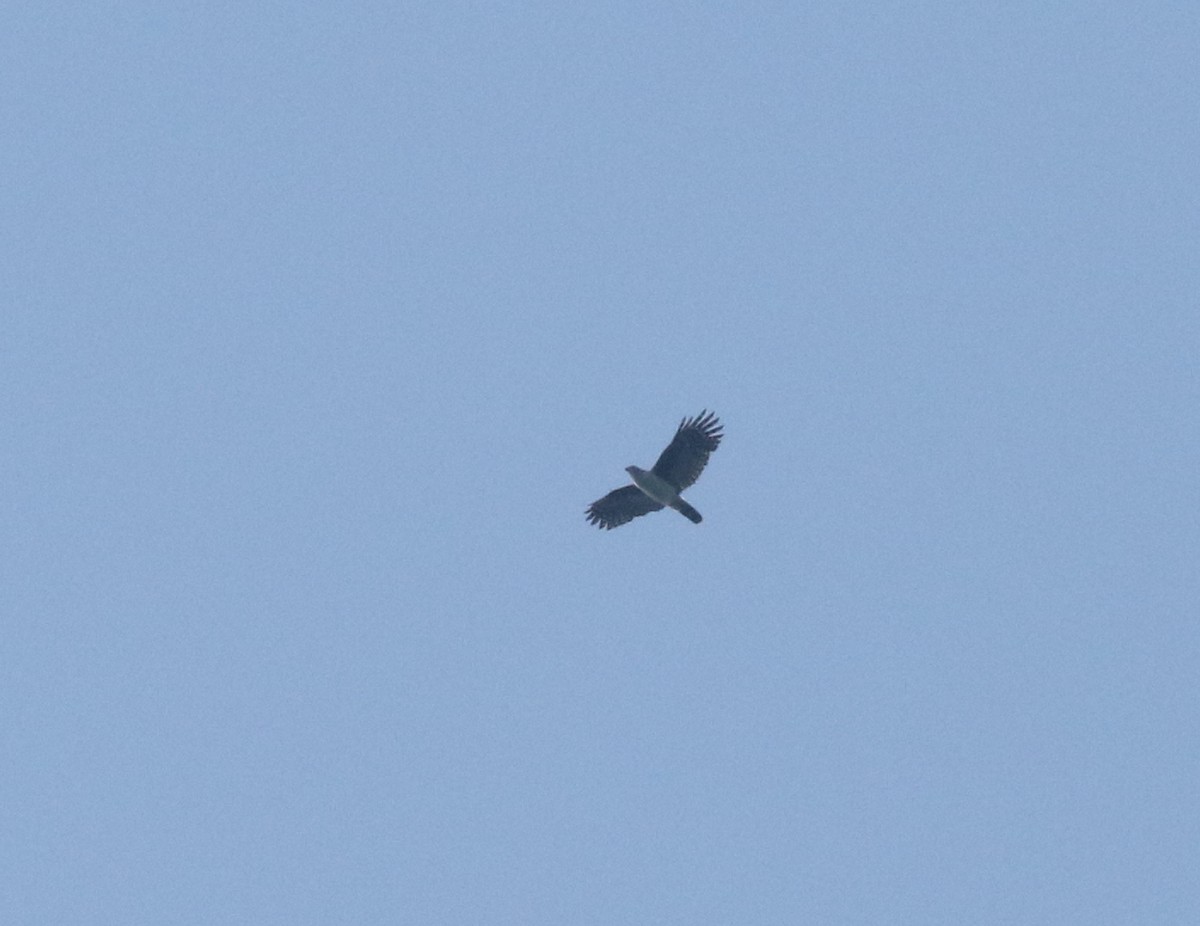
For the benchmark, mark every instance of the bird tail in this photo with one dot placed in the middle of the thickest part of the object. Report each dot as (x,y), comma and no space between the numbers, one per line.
(688,512)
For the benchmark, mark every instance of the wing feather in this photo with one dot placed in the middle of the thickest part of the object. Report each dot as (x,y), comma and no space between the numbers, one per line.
(686,456)
(619,506)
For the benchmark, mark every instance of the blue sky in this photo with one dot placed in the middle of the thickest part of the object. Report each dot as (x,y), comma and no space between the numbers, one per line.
(325,323)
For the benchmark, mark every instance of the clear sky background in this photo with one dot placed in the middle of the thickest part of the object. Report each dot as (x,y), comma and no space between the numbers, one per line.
(323,324)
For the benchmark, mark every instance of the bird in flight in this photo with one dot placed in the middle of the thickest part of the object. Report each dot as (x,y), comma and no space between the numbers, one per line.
(677,468)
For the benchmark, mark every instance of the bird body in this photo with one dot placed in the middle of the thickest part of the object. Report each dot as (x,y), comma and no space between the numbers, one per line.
(662,492)
(678,467)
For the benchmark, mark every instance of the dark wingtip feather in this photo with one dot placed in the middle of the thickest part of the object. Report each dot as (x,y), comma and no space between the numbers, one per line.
(707,424)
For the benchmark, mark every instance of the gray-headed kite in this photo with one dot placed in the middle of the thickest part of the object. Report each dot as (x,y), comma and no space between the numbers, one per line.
(677,468)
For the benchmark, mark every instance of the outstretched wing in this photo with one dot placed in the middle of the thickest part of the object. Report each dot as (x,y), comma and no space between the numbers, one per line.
(620,505)
(685,457)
